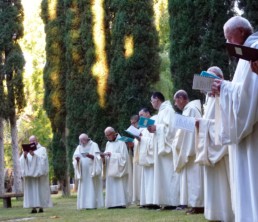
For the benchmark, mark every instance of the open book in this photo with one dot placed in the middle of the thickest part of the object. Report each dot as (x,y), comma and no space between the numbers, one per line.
(145,122)
(84,154)
(184,122)
(204,81)
(28,147)
(133,131)
(242,52)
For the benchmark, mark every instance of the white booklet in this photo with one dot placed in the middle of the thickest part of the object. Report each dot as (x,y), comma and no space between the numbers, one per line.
(133,131)
(202,83)
(184,122)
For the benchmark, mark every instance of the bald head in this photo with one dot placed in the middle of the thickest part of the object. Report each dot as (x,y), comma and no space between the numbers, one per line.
(238,22)
(181,93)
(33,139)
(216,71)
(84,139)
(109,129)
(181,99)
(110,133)
(237,29)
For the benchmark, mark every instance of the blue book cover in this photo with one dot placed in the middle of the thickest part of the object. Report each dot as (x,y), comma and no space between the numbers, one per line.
(210,75)
(125,139)
(145,122)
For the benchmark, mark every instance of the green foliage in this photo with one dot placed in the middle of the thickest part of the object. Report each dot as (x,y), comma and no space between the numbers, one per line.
(131,77)
(197,43)
(165,84)
(12,61)
(54,84)
(84,113)
(164,32)
(250,9)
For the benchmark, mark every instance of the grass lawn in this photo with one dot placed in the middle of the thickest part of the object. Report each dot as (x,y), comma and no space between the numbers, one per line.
(65,210)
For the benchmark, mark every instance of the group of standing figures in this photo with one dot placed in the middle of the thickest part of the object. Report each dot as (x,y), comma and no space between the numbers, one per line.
(210,171)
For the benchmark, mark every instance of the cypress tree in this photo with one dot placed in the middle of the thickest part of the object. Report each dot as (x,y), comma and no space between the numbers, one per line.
(82,100)
(85,110)
(12,64)
(250,9)
(197,43)
(135,60)
(53,14)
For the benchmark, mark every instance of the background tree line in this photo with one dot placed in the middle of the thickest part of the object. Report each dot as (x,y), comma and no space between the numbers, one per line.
(102,60)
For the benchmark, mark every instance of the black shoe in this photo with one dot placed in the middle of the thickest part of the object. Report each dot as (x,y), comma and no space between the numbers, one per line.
(153,207)
(169,208)
(33,211)
(117,207)
(195,210)
(41,210)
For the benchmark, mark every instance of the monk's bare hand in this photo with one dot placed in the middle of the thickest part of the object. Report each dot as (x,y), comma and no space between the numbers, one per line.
(254,66)
(197,123)
(216,86)
(31,152)
(25,153)
(152,128)
(107,154)
(77,159)
(90,156)
(138,138)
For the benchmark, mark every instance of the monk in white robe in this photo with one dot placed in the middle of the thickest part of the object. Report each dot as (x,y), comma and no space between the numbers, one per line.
(166,180)
(191,174)
(239,115)
(215,158)
(118,169)
(87,170)
(34,169)
(143,156)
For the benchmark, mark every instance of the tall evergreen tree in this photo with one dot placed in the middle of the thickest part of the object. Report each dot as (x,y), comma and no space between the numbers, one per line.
(2,111)
(250,9)
(11,17)
(2,166)
(197,43)
(85,113)
(53,15)
(135,61)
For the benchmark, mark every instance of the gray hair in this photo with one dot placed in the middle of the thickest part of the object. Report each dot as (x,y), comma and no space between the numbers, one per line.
(181,93)
(237,22)
(216,70)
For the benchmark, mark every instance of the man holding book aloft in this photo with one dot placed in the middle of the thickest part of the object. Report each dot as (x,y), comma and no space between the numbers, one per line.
(34,167)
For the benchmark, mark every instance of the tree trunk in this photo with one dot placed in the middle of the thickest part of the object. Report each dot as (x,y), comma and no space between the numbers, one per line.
(15,152)
(65,186)
(2,156)
(66,191)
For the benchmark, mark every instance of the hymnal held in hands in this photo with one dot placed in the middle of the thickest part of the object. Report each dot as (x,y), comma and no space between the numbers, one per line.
(184,122)
(202,83)
(145,122)
(133,131)
(125,139)
(84,154)
(242,52)
(28,147)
